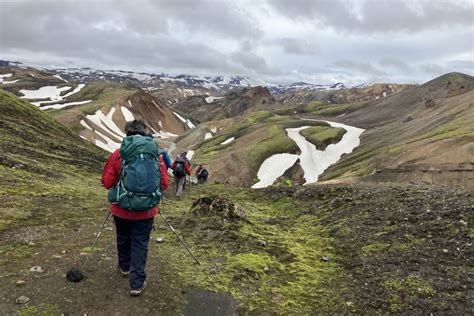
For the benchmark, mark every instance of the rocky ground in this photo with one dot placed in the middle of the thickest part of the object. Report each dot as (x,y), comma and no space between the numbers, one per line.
(324,249)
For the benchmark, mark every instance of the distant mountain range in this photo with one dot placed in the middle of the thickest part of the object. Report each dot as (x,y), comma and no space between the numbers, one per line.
(216,84)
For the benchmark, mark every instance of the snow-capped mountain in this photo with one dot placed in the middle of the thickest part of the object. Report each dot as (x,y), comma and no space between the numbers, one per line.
(151,80)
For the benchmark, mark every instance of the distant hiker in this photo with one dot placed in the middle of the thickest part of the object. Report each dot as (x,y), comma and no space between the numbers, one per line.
(202,174)
(180,168)
(166,158)
(199,168)
(185,157)
(136,177)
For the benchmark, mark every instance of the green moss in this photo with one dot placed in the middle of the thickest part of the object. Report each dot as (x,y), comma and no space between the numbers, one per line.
(322,136)
(39,310)
(401,290)
(275,141)
(375,247)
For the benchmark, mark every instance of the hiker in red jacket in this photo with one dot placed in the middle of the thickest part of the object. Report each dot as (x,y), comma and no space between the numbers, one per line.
(133,227)
(180,168)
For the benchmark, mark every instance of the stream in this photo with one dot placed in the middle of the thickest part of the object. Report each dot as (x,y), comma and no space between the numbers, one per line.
(313,161)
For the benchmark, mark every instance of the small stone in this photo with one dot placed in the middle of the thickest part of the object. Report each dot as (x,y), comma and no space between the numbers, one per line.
(349,303)
(109,228)
(160,240)
(324,259)
(428,211)
(248,269)
(20,283)
(56,256)
(463,222)
(22,300)
(30,243)
(83,254)
(266,269)
(445,250)
(213,271)
(37,269)
(63,252)
(262,243)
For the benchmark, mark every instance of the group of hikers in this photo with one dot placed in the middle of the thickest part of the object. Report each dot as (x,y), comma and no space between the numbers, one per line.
(182,167)
(136,176)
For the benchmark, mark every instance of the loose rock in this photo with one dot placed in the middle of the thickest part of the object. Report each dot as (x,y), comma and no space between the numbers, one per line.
(22,300)
(262,243)
(20,283)
(37,269)
(160,240)
(324,259)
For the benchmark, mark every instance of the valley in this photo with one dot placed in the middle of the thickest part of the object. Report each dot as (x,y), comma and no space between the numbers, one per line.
(322,199)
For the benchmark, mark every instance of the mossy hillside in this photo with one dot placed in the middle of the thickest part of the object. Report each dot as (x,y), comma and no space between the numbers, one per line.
(42,163)
(322,136)
(283,276)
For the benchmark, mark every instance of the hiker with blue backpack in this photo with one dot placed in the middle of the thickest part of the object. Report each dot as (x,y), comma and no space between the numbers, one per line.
(136,177)
(180,169)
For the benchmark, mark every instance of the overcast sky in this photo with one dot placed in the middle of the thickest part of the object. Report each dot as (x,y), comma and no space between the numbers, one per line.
(279,41)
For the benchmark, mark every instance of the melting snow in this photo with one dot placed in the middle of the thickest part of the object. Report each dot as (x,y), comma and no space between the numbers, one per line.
(63,105)
(190,154)
(155,104)
(274,167)
(207,136)
(106,123)
(211,99)
(60,78)
(228,141)
(127,114)
(83,123)
(53,93)
(187,121)
(214,130)
(313,161)
(109,144)
(7,76)
(47,92)
(130,103)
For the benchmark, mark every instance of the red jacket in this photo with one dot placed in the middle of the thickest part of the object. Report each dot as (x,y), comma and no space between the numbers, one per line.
(110,177)
(186,166)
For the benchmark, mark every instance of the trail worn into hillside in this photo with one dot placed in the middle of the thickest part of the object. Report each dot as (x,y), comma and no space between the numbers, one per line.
(314,249)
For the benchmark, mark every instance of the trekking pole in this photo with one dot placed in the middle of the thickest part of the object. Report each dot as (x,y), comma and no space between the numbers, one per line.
(96,239)
(179,237)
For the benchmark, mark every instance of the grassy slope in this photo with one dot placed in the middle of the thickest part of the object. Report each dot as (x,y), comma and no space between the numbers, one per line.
(41,164)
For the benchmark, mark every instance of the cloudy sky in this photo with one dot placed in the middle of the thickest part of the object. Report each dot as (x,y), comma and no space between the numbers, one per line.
(279,41)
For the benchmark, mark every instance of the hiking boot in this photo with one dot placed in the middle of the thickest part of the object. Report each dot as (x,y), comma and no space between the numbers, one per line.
(138,291)
(123,272)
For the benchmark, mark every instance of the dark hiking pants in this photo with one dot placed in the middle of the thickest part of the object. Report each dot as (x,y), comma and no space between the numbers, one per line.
(132,248)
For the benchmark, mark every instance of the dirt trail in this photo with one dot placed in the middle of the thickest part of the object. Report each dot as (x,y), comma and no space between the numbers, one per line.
(103,291)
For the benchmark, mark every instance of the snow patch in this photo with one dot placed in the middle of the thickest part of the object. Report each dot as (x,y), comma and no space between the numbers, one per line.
(211,99)
(47,92)
(207,136)
(109,144)
(228,141)
(63,105)
(60,78)
(127,114)
(106,123)
(153,101)
(214,130)
(274,167)
(190,154)
(83,123)
(313,161)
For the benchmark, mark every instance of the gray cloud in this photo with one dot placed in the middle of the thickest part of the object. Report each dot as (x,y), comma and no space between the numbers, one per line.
(376,17)
(279,41)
